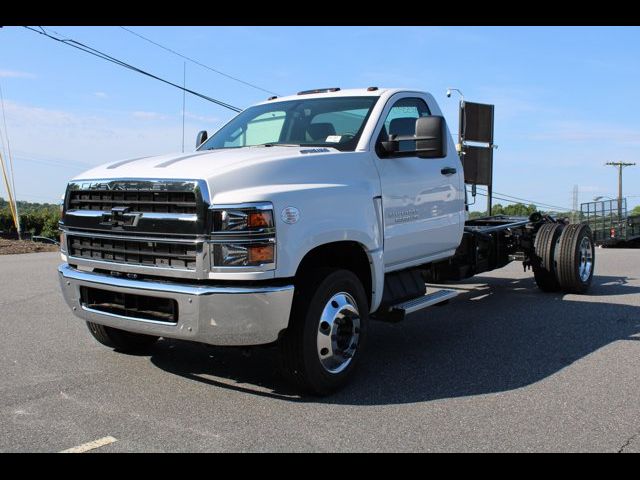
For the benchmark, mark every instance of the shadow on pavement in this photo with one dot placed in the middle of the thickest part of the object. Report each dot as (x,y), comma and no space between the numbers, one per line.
(501,335)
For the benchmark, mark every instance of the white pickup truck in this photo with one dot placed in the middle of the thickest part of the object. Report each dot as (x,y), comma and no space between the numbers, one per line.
(294,224)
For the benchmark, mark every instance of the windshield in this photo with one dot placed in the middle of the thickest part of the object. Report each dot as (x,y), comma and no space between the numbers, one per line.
(329,122)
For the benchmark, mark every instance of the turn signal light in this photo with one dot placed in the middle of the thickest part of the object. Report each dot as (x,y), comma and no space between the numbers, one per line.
(259,254)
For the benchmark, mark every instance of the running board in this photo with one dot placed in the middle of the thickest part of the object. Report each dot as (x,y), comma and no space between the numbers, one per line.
(398,312)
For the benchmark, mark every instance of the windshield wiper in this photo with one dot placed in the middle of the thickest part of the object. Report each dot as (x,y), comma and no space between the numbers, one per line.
(275,144)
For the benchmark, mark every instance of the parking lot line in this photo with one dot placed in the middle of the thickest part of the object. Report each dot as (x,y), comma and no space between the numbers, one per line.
(85,447)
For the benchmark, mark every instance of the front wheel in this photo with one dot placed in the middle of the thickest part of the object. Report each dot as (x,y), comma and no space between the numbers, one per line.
(321,348)
(119,339)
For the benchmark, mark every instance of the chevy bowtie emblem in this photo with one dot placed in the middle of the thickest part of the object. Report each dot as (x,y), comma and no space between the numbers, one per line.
(120,217)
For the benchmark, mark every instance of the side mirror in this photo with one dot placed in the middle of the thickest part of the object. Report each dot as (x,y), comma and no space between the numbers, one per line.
(431,137)
(201,137)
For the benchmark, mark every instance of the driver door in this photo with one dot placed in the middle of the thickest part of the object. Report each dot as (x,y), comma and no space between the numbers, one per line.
(422,198)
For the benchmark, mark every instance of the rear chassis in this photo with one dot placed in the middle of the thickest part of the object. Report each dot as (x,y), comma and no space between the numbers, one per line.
(489,243)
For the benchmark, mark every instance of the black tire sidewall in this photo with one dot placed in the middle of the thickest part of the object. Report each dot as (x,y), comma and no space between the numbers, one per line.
(569,259)
(545,245)
(335,282)
(582,233)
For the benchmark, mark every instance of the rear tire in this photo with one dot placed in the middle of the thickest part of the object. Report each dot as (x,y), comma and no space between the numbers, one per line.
(119,339)
(544,270)
(576,258)
(327,331)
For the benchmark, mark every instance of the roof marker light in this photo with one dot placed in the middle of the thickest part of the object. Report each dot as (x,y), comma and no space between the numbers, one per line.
(319,90)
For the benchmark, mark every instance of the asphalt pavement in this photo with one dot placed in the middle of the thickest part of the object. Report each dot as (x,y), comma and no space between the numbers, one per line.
(502,367)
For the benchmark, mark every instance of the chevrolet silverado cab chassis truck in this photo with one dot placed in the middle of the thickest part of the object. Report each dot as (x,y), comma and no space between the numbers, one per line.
(294,224)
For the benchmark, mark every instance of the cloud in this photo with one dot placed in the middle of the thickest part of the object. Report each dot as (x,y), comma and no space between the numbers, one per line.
(62,144)
(202,118)
(142,115)
(577,131)
(100,95)
(590,189)
(15,74)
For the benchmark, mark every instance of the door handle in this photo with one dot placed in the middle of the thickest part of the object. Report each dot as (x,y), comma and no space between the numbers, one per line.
(448,171)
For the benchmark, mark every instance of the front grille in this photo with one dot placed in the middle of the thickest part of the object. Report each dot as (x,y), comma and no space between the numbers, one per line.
(130,305)
(139,200)
(135,252)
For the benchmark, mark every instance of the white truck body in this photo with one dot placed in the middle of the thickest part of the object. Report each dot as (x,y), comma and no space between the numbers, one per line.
(419,219)
(361,209)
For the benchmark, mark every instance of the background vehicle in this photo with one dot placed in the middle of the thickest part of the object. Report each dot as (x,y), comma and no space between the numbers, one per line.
(297,222)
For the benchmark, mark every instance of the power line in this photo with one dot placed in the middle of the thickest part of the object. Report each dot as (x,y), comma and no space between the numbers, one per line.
(514,201)
(537,204)
(73,165)
(6,133)
(11,171)
(97,53)
(236,79)
(531,201)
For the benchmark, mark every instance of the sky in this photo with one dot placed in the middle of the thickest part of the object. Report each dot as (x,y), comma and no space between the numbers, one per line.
(566,98)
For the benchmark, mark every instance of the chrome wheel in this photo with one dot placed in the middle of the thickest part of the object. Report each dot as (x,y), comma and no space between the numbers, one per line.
(338,332)
(586,259)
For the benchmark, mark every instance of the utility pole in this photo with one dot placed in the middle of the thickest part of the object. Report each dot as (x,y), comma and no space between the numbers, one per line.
(184,94)
(620,166)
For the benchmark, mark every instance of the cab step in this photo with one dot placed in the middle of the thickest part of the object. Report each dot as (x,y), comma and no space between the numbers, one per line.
(399,311)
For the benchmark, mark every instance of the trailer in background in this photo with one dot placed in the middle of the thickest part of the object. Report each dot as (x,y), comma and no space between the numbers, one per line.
(610,223)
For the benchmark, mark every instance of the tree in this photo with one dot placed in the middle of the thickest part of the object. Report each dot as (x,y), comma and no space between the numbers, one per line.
(35,218)
(512,210)
(636,210)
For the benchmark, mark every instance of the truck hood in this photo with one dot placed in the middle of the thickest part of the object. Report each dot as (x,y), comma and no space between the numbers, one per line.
(246,174)
(199,165)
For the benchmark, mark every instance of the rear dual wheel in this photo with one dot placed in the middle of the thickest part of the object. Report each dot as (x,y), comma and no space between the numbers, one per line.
(575,258)
(565,258)
(544,269)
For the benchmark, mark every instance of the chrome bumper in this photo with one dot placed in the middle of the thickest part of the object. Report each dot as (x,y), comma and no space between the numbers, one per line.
(217,315)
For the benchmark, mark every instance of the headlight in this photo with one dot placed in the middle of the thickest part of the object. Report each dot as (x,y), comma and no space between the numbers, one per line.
(243,236)
(243,255)
(232,220)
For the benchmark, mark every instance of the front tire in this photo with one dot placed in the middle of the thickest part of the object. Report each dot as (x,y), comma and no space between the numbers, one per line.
(327,331)
(119,339)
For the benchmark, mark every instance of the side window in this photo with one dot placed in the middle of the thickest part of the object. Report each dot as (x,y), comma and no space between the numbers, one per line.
(401,120)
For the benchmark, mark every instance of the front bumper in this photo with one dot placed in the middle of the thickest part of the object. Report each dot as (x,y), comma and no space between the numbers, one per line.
(217,315)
